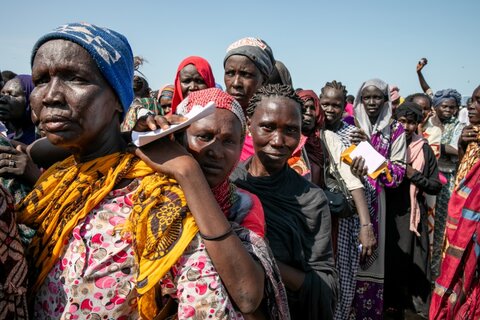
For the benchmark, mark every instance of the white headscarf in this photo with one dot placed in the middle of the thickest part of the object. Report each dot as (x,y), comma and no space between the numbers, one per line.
(361,115)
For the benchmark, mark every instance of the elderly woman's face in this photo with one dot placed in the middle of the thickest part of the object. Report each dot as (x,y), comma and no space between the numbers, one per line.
(373,100)
(12,101)
(74,104)
(216,143)
(474,108)
(275,127)
(191,80)
(242,79)
(446,109)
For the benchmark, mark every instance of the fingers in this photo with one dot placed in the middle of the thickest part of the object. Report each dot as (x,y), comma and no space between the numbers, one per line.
(175,119)
(162,122)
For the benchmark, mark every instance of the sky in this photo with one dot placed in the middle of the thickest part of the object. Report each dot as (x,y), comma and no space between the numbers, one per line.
(349,41)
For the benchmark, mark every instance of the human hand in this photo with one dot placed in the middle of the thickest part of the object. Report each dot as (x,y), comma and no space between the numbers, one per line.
(150,122)
(358,136)
(367,240)
(358,168)
(469,134)
(167,157)
(410,171)
(15,162)
(421,63)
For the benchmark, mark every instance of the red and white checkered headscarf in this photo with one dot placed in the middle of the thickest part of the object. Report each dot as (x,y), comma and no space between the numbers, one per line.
(222,99)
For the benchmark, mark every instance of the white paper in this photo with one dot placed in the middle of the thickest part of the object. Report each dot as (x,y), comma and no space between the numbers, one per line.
(373,159)
(197,112)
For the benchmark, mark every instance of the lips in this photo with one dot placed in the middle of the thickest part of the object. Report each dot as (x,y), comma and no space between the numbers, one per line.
(54,123)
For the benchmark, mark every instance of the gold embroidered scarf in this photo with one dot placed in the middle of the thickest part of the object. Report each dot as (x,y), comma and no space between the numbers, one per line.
(160,224)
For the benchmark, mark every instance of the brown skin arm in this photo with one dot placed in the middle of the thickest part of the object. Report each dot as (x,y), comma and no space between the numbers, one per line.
(421,79)
(292,278)
(243,277)
(365,234)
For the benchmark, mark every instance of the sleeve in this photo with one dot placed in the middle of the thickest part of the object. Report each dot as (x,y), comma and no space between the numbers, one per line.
(255,219)
(456,135)
(396,161)
(336,147)
(318,294)
(428,180)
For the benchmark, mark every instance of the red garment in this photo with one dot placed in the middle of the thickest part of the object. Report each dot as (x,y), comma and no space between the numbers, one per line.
(255,219)
(203,68)
(457,289)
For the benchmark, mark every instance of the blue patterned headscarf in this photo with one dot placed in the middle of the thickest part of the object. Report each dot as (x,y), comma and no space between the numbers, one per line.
(445,94)
(109,49)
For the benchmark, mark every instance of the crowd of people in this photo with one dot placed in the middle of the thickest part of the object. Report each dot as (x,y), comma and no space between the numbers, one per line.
(233,216)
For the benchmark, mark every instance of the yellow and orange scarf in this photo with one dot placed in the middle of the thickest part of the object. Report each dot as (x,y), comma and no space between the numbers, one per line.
(160,224)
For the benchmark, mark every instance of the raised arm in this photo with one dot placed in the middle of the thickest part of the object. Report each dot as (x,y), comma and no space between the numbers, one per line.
(423,83)
(242,276)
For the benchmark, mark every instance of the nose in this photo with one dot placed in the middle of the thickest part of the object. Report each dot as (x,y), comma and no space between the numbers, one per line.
(278,140)
(214,150)
(53,94)
(236,83)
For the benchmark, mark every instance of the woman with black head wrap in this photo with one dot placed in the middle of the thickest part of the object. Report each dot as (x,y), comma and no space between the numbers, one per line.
(407,249)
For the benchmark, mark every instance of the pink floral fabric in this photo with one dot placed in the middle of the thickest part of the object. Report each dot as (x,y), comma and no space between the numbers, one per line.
(95,277)
(195,284)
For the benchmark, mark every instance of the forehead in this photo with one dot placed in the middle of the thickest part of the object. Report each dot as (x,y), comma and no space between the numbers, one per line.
(372,90)
(222,120)
(448,103)
(63,53)
(188,70)
(13,84)
(240,62)
(275,108)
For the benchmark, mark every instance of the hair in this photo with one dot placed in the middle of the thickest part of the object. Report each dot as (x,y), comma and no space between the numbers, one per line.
(272,90)
(335,86)
(8,75)
(412,97)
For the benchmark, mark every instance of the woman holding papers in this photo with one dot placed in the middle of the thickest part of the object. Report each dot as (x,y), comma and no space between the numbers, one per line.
(373,112)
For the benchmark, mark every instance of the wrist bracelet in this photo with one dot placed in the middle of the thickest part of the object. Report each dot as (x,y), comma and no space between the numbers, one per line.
(366,225)
(217,238)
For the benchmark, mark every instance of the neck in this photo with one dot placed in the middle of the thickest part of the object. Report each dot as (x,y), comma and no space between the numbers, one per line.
(334,126)
(373,120)
(258,169)
(107,143)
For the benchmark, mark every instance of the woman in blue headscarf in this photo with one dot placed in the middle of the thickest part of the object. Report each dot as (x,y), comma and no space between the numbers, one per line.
(443,131)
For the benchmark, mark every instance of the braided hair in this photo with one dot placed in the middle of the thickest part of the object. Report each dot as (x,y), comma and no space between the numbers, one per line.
(335,86)
(270,90)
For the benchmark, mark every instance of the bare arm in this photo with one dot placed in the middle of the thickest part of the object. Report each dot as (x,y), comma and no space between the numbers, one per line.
(421,79)
(365,234)
(243,277)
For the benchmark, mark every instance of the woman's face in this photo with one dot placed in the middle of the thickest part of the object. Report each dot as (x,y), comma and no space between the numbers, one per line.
(410,125)
(446,109)
(75,105)
(166,104)
(423,102)
(333,104)
(275,127)
(191,80)
(474,108)
(373,100)
(308,116)
(242,79)
(12,101)
(216,143)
